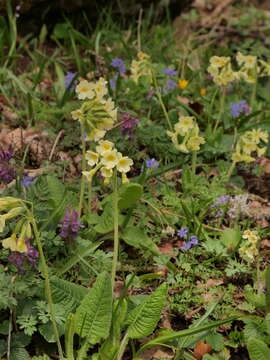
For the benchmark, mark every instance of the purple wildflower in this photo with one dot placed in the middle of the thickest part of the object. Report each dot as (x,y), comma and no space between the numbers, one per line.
(128,126)
(119,64)
(113,81)
(69,78)
(70,224)
(170,72)
(171,84)
(193,241)
(152,163)
(21,259)
(27,180)
(183,232)
(7,172)
(224,199)
(6,155)
(220,212)
(240,108)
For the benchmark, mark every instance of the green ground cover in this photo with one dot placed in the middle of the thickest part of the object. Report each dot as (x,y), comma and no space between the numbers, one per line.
(134,169)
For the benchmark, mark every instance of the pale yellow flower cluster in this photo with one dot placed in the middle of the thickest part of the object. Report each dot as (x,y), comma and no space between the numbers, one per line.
(140,67)
(249,143)
(248,69)
(186,129)
(98,112)
(105,159)
(249,249)
(15,208)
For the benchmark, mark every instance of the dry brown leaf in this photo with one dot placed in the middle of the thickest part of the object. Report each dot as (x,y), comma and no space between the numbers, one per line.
(157,353)
(265,164)
(190,314)
(167,249)
(201,348)
(209,284)
(65,157)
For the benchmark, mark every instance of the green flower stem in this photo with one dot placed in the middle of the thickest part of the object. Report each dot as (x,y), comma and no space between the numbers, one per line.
(45,273)
(115,222)
(221,110)
(254,90)
(83,169)
(89,197)
(193,162)
(122,347)
(162,103)
(229,174)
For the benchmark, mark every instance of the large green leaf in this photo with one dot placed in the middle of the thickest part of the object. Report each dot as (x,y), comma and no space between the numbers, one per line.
(93,316)
(258,350)
(66,293)
(144,318)
(129,194)
(136,237)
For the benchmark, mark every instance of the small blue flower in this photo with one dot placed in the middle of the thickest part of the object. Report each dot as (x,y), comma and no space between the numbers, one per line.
(183,232)
(186,246)
(224,199)
(170,72)
(68,80)
(27,180)
(119,64)
(220,213)
(194,240)
(152,163)
(239,108)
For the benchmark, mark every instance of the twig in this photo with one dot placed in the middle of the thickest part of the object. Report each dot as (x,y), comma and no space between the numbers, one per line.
(55,143)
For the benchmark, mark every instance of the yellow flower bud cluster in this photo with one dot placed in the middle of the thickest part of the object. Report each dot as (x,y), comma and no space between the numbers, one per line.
(249,143)
(15,208)
(187,130)
(249,249)
(98,112)
(140,67)
(105,159)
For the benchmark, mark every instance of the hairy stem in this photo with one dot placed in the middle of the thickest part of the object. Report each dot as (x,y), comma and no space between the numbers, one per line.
(115,222)
(221,109)
(45,273)
(83,169)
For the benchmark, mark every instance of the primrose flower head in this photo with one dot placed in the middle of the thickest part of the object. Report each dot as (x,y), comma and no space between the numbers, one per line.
(194,142)
(85,90)
(184,124)
(219,61)
(101,89)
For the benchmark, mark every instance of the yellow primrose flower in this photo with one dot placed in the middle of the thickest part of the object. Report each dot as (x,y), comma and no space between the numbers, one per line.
(194,142)
(240,58)
(103,146)
(184,124)
(257,134)
(124,164)
(182,148)
(10,243)
(91,157)
(203,91)
(125,180)
(213,70)
(247,158)
(106,172)
(237,157)
(9,202)
(84,90)
(261,151)
(76,114)
(248,233)
(219,61)
(265,69)
(110,159)
(250,61)
(96,135)
(101,89)
(248,147)
(89,174)
(182,84)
